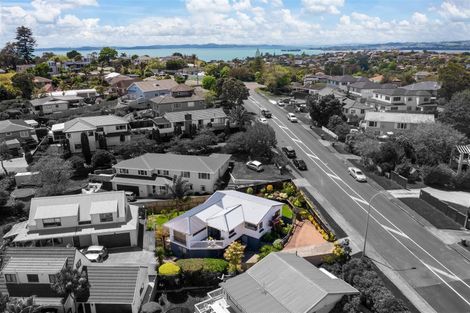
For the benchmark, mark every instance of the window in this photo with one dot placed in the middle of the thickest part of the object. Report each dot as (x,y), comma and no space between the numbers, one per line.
(372,124)
(121,127)
(177,105)
(166,173)
(52,278)
(24,134)
(401,125)
(142,172)
(78,146)
(393,108)
(190,104)
(408,108)
(204,176)
(426,99)
(251,226)
(186,174)
(106,217)
(90,133)
(78,264)
(10,278)
(232,233)
(68,135)
(99,129)
(179,237)
(410,99)
(51,222)
(123,171)
(8,134)
(203,188)
(353,111)
(396,98)
(387,98)
(260,227)
(32,278)
(363,111)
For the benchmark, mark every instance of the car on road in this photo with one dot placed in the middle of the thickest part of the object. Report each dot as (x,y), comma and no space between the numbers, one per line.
(95,253)
(357,174)
(281,103)
(255,165)
(262,120)
(289,152)
(291,117)
(265,112)
(300,164)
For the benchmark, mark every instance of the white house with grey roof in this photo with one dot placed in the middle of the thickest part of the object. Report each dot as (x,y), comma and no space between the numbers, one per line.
(81,220)
(281,283)
(402,99)
(226,216)
(111,129)
(214,118)
(148,175)
(384,122)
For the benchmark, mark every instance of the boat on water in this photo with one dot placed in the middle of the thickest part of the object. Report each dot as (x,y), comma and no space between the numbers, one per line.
(291,50)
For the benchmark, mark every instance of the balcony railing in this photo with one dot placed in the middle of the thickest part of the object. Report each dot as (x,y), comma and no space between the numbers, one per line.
(213,296)
(207,244)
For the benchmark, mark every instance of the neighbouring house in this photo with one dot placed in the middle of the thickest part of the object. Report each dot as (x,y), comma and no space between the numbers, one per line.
(385,122)
(119,84)
(430,86)
(40,82)
(377,78)
(115,289)
(180,98)
(314,79)
(81,220)
(461,156)
(212,118)
(364,89)
(228,215)
(421,75)
(280,282)
(108,130)
(343,82)
(24,67)
(401,99)
(49,105)
(355,108)
(76,66)
(30,271)
(148,175)
(84,93)
(148,89)
(17,129)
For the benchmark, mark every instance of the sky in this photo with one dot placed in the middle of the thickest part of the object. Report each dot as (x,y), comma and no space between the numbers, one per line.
(76,23)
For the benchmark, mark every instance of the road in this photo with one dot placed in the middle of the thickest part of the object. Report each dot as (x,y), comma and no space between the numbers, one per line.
(438,274)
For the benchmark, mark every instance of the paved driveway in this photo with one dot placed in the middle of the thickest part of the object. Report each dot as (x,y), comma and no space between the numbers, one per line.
(133,257)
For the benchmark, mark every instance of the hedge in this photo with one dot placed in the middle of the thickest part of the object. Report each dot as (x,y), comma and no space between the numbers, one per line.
(204,265)
(169,269)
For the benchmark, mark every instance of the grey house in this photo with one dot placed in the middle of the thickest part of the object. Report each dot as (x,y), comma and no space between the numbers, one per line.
(181,98)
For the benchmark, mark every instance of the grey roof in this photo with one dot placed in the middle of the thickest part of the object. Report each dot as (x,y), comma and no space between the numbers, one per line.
(196,115)
(45,101)
(167,161)
(352,104)
(171,99)
(344,78)
(402,92)
(371,85)
(8,126)
(34,265)
(155,85)
(393,117)
(80,124)
(283,282)
(41,252)
(112,284)
(428,86)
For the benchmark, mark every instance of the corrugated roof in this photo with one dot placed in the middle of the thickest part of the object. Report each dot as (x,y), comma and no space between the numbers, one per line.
(410,118)
(34,265)
(8,126)
(283,282)
(112,284)
(176,162)
(92,122)
(195,115)
(155,85)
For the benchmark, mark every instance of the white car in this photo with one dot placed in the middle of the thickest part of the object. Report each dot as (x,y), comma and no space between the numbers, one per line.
(357,174)
(255,165)
(262,120)
(95,253)
(281,103)
(291,117)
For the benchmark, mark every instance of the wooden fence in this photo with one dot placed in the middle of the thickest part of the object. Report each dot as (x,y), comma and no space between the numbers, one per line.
(157,207)
(448,210)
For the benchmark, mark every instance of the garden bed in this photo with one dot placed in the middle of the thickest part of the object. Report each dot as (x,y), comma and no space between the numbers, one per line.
(430,213)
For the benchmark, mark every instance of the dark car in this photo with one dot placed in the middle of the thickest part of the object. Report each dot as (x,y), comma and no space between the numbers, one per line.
(300,164)
(289,151)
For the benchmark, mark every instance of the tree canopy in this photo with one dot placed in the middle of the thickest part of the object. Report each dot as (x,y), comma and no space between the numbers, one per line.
(24,82)
(54,175)
(231,91)
(457,112)
(107,54)
(25,44)
(258,141)
(454,78)
(322,109)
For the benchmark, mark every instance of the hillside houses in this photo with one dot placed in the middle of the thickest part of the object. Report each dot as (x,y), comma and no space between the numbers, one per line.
(148,89)
(180,98)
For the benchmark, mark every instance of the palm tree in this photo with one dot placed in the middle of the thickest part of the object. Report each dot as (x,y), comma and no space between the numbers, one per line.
(179,189)
(239,116)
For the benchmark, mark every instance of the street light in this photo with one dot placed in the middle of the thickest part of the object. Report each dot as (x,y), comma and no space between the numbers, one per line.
(367,222)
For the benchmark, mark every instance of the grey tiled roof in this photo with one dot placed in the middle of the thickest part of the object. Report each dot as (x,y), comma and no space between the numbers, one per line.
(195,115)
(13,126)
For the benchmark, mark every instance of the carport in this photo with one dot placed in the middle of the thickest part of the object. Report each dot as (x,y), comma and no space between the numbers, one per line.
(115,240)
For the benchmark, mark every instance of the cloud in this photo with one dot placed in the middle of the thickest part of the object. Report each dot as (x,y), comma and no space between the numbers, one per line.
(419,18)
(323,6)
(457,10)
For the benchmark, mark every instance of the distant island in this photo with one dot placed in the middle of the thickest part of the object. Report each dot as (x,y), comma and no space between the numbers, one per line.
(430,46)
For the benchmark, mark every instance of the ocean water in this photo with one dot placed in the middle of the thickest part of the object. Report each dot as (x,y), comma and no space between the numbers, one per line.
(206,54)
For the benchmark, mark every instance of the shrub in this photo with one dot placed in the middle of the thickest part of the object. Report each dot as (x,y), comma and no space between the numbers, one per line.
(269,188)
(169,269)
(249,190)
(215,265)
(269,237)
(462,181)
(265,250)
(304,214)
(286,229)
(278,245)
(289,189)
(439,176)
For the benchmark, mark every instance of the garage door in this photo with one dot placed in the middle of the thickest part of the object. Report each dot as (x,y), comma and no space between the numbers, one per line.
(134,189)
(115,240)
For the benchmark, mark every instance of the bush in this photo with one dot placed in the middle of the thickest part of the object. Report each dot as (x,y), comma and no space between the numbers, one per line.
(289,189)
(286,229)
(278,245)
(169,269)
(269,188)
(215,265)
(249,190)
(462,181)
(265,250)
(439,176)
(269,237)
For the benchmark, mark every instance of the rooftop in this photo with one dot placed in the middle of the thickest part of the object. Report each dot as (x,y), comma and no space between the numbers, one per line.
(8,126)
(195,115)
(402,92)
(154,84)
(410,118)
(92,122)
(427,85)
(34,265)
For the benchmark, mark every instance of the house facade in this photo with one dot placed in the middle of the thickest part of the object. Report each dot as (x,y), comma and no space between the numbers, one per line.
(364,89)
(384,122)
(109,130)
(148,89)
(343,82)
(149,174)
(181,98)
(401,99)
(226,216)
(81,220)
(16,129)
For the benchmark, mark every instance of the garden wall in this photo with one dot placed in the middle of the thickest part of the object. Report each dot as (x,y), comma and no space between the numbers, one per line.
(329,132)
(157,207)
(445,208)
(400,180)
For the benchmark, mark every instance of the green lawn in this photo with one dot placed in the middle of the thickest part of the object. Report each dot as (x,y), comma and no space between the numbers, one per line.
(287,212)
(155,220)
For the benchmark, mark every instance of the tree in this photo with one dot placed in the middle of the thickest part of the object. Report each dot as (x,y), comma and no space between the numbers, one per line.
(231,91)
(277,78)
(54,175)
(24,82)
(78,164)
(176,64)
(69,282)
(335,121)
(234,255)
(41,70)
(4,155)
(102,159)
(8,56)
(258,141)
(85,147)
(18,305)
(179,189)
(321,110)
(454,78)
(73,54)
(107,54)
(208,82)
(25,44)
(457,112)
(239,116)
(8,92)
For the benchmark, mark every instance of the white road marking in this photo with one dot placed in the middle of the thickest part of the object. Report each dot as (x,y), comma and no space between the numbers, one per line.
(395,231)
(359,200)
(333,176)
(441,272)
(295,140)
(312,156)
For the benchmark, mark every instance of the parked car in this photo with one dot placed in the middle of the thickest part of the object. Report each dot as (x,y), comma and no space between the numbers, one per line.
(357,174)
(95,253)
(255,165)
(262,120)
(130,195)
(281,103)
(289,151)
(300,164)
(291,117)
(266,113)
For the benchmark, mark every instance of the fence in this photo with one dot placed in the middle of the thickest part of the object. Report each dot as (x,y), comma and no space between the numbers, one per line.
(158,206)
(400,180)
(445,208)
(329,132)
